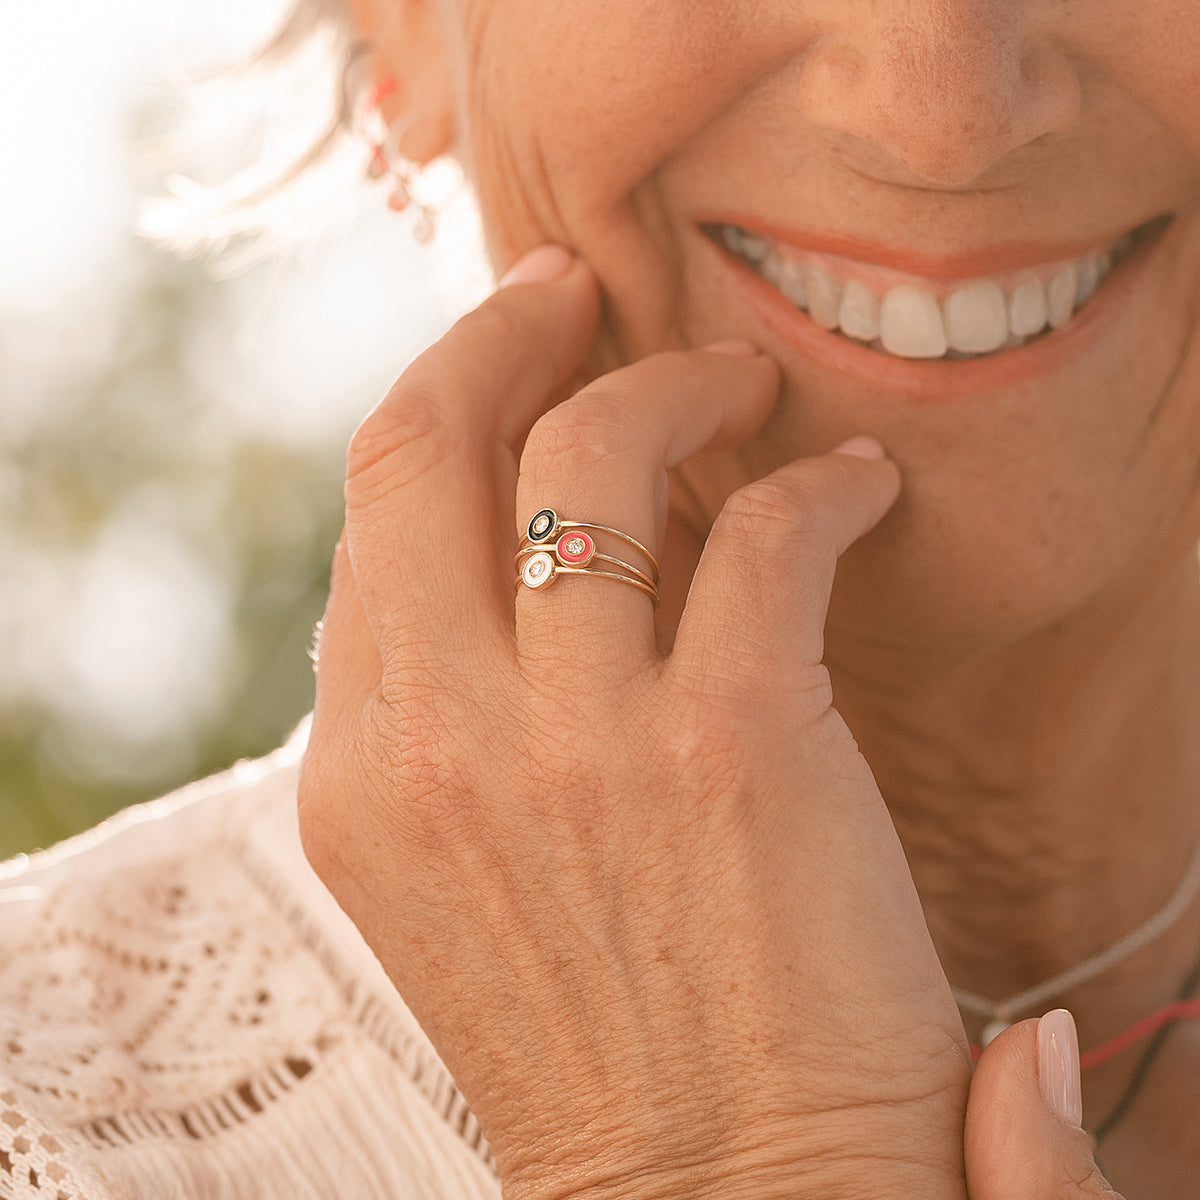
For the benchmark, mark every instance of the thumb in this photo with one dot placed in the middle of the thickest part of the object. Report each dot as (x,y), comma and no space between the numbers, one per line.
(1023,1130)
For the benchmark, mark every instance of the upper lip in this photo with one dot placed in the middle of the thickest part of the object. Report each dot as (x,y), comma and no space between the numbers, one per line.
(987,260)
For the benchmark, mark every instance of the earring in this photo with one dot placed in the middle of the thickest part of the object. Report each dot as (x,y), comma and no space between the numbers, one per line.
(386,161)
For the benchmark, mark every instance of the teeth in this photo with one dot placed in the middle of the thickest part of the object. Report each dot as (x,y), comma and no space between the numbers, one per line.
(1027,312)
(771,268)
(1060,296)
(1088,277)
(754,248)
(858,314)
(910,324)
(976,318)
(982,316)
(824,298)
(791,283)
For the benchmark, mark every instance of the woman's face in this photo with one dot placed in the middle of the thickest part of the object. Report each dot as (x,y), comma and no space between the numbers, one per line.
(885,154)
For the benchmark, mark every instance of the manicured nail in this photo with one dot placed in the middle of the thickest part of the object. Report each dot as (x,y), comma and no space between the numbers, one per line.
(542,265)
(1058,1066)
(739,348)
(861,446)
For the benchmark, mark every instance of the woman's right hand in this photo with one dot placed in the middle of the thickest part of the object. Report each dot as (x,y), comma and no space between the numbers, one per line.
(651,910)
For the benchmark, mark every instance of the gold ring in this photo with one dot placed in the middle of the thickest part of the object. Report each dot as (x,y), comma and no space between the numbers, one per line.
(541,570)
(554,546)
(547,526)
(564,558)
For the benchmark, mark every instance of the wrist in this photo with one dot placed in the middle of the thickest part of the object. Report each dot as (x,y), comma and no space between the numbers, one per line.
(876,1153)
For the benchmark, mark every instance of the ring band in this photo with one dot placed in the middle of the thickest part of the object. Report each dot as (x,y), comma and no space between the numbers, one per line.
(546,526)
(565,561)
(540,571)
(554,546)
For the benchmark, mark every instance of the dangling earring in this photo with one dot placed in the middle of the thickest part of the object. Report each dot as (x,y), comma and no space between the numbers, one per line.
(386,161)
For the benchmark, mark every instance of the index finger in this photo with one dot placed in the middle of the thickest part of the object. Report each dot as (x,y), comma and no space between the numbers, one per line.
(430,478)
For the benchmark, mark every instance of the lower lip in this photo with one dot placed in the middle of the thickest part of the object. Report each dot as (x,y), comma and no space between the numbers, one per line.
(939,379)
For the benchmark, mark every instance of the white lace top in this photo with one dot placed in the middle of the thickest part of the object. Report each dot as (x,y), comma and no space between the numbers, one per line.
(185,1012)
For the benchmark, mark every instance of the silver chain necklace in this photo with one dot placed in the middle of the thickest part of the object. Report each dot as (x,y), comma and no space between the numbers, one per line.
(1002,1013)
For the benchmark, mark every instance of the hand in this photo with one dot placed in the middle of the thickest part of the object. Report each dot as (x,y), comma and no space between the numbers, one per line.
(651,911)
(1023,1137)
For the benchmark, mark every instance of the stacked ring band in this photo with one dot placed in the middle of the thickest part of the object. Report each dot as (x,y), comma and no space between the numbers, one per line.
(555,546)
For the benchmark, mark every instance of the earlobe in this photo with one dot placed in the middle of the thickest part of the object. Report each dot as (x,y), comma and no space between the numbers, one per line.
(410,78)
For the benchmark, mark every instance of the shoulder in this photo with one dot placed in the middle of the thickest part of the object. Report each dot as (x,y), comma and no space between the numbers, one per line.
(179,994)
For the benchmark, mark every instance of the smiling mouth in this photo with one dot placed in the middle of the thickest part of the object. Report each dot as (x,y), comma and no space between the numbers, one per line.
(904,316)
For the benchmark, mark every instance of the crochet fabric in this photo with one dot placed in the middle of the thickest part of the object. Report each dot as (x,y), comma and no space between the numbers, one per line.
(186,1013)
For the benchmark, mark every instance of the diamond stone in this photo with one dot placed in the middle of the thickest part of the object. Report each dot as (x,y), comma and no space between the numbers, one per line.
(576,545)
(541,524)
(537,569)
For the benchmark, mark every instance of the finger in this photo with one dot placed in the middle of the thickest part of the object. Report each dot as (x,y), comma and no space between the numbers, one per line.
(602,457)
(759,598)
(430,479)
(1023,1135)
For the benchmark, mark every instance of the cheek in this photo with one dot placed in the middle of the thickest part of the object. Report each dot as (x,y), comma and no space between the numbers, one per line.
(568,110)
(571,106)
(1151,50)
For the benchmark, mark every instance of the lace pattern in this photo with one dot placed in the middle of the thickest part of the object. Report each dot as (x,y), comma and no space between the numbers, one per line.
(179,994)
(35,1162)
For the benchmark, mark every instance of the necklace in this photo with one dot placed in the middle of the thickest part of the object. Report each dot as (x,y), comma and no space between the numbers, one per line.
(1141,1070)
(1002,1013)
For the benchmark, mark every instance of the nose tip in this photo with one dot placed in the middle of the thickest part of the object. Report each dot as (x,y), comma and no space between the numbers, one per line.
(947,104)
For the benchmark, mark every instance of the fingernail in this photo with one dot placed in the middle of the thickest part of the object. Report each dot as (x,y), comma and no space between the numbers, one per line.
(1058,1066)
(739,348)
(542,265)
(861,446)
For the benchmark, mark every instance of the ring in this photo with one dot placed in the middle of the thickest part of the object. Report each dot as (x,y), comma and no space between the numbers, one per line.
(577,549)
(554,546)
(546,526)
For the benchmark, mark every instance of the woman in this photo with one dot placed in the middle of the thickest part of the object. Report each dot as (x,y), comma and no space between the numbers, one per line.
(677,870)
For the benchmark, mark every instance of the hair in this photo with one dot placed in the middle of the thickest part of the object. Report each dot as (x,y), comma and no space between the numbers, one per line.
(263,155)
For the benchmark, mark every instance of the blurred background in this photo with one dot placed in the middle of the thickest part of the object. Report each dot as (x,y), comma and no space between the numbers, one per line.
(171,445)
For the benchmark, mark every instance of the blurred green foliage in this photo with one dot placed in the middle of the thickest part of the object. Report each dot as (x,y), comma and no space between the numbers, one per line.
(143,434)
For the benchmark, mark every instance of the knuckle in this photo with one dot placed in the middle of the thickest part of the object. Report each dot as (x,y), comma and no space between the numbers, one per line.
(392,782)
(771,504)
(778,511)
(581,433)
(319,831)
(1082,1179)
(417,765)
(1072,1188)
(704,738)
(406,436)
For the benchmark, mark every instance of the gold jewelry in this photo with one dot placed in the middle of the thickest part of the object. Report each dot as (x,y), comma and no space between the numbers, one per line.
(546,526)
(541,570)
(567,555)
(554,547)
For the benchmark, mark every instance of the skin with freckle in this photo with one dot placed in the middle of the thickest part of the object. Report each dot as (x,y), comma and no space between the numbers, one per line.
(1044,126)
(1016,647)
